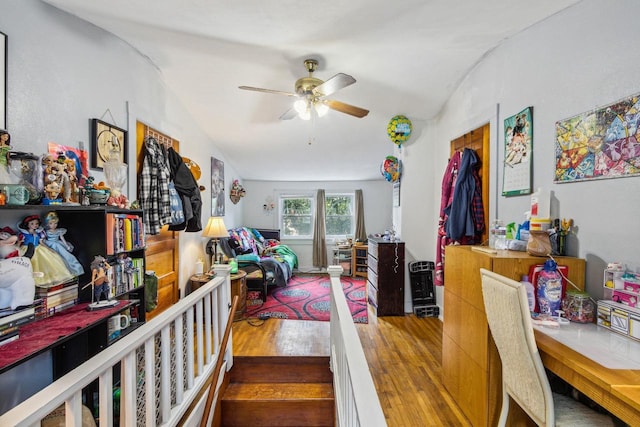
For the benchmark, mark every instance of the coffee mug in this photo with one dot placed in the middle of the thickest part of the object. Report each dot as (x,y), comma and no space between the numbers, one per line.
(118,323)
(15,194)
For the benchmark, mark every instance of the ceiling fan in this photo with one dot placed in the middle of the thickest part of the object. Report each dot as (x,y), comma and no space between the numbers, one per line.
(312,93)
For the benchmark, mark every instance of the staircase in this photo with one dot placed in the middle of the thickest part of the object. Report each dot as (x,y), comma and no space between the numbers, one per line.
(279,391)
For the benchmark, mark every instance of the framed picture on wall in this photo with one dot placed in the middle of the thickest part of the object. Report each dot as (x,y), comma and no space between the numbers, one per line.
(518,149)
(106,139)
(217,187)
(3,81)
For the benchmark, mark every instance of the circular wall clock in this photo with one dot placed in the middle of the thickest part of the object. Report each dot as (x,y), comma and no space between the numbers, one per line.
(106,140)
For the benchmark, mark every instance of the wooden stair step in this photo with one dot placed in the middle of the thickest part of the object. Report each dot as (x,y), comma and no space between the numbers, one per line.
(278,391)
(281,369)
(278,405)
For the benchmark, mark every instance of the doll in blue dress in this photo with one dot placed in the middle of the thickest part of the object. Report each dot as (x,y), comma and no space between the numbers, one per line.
(56,241)
(48,267)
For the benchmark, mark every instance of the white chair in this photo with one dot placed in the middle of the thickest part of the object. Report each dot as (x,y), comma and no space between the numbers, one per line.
(523,376)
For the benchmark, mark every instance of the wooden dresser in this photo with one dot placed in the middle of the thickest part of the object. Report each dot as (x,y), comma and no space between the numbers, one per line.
(385,277)
(471,368)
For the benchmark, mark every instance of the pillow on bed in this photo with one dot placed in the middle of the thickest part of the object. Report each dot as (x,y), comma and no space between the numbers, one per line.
(248,257)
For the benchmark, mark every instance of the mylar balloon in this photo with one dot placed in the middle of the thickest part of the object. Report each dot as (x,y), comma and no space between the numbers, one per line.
(390,168)
(399,129)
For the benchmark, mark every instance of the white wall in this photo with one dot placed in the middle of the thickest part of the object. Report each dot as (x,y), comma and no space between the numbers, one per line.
(63,72)
(377,207)
(579,59)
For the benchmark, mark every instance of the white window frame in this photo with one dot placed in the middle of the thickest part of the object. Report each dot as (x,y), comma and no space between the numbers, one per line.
(295,195)
(352,196)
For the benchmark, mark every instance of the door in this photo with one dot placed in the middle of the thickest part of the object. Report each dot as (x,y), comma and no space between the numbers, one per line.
(478,140)
(162,250)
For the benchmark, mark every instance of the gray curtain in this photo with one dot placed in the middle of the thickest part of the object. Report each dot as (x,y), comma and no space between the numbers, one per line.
(361,232)
(319,233)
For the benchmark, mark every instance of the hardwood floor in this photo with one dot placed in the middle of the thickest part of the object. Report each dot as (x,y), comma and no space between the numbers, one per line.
(404,356)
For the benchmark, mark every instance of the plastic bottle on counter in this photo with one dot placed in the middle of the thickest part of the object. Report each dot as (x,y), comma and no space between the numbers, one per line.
(531,295)
(540,204)
(549,294)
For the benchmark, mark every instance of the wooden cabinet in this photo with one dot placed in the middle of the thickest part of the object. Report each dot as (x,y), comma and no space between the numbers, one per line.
(385,277)
(471,368)
(359,260)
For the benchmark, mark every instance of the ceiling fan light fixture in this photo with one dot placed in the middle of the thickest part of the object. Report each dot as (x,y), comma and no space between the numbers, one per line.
(301,106)
(321,108)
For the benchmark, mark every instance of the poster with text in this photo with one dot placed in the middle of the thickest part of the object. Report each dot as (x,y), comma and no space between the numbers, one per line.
(518,146)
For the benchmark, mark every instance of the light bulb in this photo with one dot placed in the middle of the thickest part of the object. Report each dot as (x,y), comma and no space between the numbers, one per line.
(321,109)
(305,115)
(300,106)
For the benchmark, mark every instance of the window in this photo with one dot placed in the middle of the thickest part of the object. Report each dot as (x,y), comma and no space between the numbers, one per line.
(296,216)
(339,214)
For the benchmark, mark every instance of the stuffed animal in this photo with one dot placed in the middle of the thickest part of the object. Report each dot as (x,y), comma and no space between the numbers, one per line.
(17,285)
(117,199)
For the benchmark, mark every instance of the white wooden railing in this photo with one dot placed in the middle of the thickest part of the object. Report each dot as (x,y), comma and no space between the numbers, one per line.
(357,402)
(177,359)
(180,364)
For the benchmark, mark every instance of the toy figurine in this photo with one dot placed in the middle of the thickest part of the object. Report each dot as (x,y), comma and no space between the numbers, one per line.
(128,270)
(5,147)
(48,265)
(56,241)
(100,283)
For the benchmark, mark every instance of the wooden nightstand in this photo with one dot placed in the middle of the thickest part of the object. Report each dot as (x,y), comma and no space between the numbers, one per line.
(238,287)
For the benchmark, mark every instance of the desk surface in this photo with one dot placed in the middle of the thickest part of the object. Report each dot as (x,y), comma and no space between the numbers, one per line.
(574,352)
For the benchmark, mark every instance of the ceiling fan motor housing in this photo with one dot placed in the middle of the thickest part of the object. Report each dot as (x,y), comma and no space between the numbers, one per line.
(305,86)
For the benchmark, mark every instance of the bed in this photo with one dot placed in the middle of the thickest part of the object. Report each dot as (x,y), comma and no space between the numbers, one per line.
(260,253)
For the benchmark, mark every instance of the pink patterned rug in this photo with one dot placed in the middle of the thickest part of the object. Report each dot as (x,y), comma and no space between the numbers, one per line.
(306,297)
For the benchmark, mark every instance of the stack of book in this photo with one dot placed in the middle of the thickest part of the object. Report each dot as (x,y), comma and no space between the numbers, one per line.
(11,320)
(125,232)
(127,275)
(58,297)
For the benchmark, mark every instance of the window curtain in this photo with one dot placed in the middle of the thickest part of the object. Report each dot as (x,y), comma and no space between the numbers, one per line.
(361,232)
(319,233)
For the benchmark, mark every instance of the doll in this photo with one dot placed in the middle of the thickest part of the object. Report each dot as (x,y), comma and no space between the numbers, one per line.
(17,285)
(56,241)
(48,265)
(5,147)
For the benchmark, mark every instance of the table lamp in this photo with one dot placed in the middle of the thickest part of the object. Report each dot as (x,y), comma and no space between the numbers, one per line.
(216,230)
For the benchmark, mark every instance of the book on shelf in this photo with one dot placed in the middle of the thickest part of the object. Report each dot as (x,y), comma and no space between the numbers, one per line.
(6,332)
(125,232)
(19,314)
(9,338)
(18,322)
(58,308)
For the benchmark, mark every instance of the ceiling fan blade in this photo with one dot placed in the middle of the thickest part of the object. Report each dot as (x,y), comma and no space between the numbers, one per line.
(346,108)
(334,84)
(259,89)
(289,114)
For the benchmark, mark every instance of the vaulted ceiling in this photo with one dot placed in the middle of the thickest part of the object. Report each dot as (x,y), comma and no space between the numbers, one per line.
(407,56)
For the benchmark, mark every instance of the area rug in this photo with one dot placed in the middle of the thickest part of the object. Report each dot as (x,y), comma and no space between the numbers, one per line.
(308,298)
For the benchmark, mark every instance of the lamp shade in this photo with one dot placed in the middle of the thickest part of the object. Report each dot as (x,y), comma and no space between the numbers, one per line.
(215,228)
